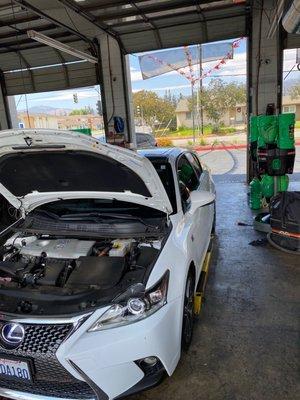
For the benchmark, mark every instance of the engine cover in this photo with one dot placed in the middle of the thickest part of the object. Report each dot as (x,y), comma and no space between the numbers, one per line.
(58,248)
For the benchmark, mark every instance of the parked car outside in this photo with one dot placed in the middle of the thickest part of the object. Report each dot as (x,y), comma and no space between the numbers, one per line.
(144,140)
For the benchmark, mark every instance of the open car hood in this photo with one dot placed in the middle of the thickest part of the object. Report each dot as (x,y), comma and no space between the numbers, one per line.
(40,166)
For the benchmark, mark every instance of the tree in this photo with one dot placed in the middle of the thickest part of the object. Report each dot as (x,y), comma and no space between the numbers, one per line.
(218,97)
(82,111)
(295,91)
(152,108)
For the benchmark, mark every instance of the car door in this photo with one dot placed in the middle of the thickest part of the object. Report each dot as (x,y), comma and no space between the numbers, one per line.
(195,223)
(205,183)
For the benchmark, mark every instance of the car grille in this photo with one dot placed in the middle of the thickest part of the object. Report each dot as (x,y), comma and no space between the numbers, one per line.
(50,378)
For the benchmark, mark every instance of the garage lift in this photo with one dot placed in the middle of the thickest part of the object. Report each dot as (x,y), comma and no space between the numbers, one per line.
(199,296)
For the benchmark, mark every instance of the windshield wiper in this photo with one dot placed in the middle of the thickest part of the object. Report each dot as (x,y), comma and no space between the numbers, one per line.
(98,216)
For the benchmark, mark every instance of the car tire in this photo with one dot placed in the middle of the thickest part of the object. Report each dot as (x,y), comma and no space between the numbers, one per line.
(188,313)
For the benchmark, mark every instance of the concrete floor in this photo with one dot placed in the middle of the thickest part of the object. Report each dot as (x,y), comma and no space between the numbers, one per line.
(245,342)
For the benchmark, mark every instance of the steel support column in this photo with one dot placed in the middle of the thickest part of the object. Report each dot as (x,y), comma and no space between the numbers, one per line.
(265,61)
(5,119)
(116,87)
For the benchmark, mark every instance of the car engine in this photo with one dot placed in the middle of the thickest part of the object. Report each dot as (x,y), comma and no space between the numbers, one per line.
(71,264)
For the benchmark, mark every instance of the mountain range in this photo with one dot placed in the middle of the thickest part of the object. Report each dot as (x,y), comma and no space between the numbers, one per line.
(47,110)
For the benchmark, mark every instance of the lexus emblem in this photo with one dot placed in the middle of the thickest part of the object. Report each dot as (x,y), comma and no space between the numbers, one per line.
(12,334)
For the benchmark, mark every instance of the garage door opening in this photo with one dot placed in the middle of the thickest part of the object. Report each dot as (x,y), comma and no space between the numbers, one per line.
(195,96)
(74,109)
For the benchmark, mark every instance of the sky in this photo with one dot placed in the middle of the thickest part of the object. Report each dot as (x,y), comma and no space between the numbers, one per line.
(233,71)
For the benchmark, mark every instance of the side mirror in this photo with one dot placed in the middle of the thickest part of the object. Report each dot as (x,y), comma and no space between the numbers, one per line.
(185,196)
(201,198)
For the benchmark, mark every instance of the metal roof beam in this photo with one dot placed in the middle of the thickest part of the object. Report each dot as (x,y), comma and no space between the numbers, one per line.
(65,68)
(45,16)
(203,23)
(89,17)
(236,7)
(147,20)
(25,62)
(34,45)
(19,32)
(110,4)
(17,21)
(154,8)
(225,17)
(19,42)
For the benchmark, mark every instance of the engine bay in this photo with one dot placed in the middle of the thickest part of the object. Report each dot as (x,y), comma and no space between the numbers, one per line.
(49,275)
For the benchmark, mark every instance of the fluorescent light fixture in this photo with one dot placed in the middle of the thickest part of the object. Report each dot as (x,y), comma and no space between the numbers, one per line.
(39,37)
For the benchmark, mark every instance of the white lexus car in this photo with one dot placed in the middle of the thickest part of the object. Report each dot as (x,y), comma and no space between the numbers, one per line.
(98,272)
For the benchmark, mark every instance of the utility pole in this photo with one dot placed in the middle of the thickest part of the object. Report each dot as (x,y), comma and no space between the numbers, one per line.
(201,88)
(193,112)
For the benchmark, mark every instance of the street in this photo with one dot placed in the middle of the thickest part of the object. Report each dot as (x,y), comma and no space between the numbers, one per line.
(233,161)
(238,138)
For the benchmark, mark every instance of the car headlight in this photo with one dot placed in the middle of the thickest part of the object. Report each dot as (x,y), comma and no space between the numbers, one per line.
(134,309)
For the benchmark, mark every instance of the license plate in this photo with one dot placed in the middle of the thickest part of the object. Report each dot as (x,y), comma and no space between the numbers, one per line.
(15,369)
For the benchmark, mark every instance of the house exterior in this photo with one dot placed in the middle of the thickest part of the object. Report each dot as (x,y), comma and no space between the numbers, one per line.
(290,105)
(232,116)
(80,121)
(67,122)
(38,121)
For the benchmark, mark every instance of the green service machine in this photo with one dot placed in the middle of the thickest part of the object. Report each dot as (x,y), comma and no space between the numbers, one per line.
(85,131)
(272,147)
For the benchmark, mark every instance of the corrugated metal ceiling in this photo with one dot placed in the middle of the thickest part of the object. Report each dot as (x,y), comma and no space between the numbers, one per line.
(161,21)
(139,25)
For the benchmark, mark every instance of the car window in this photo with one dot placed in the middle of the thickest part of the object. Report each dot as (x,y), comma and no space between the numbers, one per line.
(141,138)
(192,158)
(187,174)
(164,170)
(145,139)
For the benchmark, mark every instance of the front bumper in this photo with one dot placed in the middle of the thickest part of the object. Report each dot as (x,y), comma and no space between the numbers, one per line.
(105,360)
(14,394)
(147,382)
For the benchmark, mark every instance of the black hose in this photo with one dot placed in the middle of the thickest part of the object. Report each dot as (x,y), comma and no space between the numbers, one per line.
(272,243)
